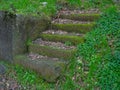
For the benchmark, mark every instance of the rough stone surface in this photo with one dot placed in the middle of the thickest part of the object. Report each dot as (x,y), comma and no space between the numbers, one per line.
(66,21)
(50,70)
(16,30)
(57,45)
(60,32)
(6,25)
(67,12)
(2,69)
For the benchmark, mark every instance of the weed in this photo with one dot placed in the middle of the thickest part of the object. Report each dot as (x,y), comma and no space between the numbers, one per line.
(68,43)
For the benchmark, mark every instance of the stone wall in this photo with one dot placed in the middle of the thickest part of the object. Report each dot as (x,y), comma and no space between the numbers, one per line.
(15,30)
(6,25)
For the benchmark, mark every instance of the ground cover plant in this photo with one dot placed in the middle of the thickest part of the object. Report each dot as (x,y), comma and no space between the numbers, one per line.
(32,7)
(49,7)
(99,57)
(96,64)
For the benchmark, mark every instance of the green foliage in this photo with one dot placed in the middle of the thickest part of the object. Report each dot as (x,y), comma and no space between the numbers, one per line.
(30,79)
(71,4)
(68,43)
(25,76)
(101,52)
(28,6)
(96,3)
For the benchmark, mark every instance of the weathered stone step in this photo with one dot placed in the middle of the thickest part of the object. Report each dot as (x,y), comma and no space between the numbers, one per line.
(60,32)
(89,11)
(78,28)
(49,68)
(68,21)
(81,17)
(64,38)
(51,50)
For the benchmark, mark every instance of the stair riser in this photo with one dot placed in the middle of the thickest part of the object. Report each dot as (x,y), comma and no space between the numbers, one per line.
(81,17)
(74,40)
(78,28)
(51,52)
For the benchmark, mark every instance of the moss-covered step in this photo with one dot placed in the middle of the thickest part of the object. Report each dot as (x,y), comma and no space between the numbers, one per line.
(49,69)
(74,40)
(81,17)
(52,51)
(78,28)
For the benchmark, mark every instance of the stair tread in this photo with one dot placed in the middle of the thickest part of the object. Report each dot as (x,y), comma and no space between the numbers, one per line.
(69,21)
(60,32)
(90,11)
(36,56)
(56,45)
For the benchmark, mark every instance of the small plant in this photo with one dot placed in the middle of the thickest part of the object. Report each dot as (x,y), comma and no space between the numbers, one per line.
(68,43)
(101,54)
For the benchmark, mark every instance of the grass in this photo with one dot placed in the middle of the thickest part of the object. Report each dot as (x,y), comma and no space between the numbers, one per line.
(28,6)
(26,78)
(100,53)
(37,7)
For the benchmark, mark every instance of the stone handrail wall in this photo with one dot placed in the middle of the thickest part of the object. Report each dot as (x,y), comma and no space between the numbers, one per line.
(15,30)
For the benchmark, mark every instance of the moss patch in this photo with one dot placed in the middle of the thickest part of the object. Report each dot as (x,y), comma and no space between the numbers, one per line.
(63,38)
(51,52)
(83,17)
(79,28)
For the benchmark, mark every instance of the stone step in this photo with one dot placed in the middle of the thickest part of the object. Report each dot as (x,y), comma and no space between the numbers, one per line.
(49,68)
(78,28)
(52,49)
(81,17)
(64,37)
(69,21)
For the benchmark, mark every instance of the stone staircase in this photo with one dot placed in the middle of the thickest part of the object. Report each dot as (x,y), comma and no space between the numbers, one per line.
(51,52)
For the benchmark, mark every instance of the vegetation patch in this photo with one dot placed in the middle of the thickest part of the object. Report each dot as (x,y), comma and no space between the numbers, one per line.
(27,7)
(97,65)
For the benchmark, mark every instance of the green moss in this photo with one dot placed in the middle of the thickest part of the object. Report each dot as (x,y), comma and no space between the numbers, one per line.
(83,17)
(51,52)
(79,28)
(63,38)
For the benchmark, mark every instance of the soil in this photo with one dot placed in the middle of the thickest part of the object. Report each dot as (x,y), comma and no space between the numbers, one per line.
(57,45)
(7,82)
